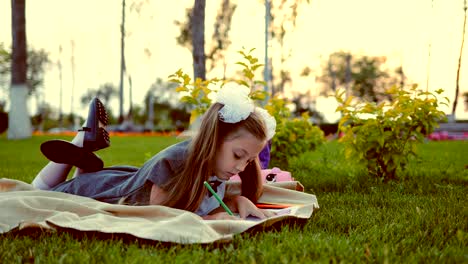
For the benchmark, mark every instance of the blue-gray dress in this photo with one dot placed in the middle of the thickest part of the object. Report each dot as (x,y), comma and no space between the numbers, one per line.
(114,183)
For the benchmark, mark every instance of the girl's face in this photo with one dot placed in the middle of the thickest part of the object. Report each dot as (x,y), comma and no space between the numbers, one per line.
(236,152)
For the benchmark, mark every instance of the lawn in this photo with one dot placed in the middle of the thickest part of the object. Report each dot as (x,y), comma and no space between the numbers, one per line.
(420,218)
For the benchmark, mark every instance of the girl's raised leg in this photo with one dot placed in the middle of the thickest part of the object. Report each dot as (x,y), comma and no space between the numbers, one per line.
(64,155)
(55,173)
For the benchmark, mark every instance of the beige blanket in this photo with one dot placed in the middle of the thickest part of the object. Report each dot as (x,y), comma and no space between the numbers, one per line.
(22,206)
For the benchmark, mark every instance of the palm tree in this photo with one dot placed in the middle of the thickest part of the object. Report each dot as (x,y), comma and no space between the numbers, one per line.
(19,120)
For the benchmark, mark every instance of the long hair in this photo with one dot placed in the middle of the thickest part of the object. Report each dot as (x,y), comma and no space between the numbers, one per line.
(186,189)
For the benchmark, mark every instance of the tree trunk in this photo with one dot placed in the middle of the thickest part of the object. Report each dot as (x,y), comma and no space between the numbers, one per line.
(19,120)
(465,96)
(457,90)
(198,39)
(266,71)
(122,64)
(348,75)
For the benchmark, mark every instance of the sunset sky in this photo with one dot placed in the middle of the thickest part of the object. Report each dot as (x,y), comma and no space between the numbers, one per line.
(401,30)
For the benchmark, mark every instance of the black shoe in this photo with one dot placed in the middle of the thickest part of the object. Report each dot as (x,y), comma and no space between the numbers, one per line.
(60,151)
(96,137)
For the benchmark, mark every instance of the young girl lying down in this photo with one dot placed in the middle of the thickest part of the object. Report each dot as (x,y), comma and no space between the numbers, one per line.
(232,133)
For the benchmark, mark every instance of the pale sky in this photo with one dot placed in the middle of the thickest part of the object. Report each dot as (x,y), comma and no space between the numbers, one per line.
(402,30)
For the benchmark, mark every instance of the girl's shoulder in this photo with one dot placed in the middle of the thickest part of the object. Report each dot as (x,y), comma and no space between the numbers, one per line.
(164,165)
(176,151)
(174,155)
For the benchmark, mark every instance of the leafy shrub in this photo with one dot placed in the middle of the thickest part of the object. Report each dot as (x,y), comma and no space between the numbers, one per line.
(383,136)
(294,137)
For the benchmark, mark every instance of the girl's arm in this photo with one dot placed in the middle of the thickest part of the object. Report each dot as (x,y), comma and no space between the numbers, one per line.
(158,196)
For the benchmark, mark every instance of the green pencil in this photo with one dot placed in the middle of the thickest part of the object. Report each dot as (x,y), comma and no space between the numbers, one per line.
(217,198)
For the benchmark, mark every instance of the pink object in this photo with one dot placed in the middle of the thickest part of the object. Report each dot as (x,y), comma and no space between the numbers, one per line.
(271,175)
(445,135)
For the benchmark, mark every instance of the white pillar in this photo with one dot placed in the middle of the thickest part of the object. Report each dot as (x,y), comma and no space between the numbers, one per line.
(19,121)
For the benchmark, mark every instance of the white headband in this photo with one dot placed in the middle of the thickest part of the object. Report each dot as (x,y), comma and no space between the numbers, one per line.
(238,106)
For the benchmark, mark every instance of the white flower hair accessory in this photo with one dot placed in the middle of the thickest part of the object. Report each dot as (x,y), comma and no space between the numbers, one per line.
(269,120)
(236,101)
(238,106)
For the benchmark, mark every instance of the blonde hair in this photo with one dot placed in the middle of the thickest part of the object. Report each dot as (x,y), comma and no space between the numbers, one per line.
(186,189)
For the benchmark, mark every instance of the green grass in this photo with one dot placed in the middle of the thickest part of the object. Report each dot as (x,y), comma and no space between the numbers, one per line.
(420,219)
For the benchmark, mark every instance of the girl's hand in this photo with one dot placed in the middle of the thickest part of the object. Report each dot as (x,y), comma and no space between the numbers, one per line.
(220,216)
(245,207)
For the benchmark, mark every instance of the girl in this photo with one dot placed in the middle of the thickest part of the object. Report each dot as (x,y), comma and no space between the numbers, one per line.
(232,133)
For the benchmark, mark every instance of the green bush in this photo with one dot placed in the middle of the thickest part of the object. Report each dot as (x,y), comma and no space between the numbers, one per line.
(383,136)
(294,137)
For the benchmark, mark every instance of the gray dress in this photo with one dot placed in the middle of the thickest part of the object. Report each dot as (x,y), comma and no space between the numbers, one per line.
(114,183)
